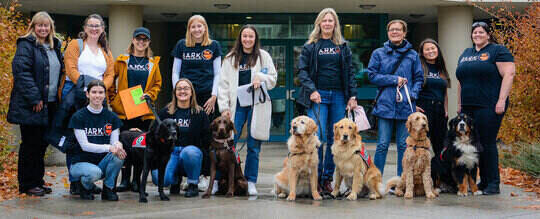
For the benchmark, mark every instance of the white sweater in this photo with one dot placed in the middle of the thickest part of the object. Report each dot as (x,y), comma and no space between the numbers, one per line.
(228,80)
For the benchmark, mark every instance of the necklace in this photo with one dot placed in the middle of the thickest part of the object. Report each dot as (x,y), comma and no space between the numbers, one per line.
(137,60)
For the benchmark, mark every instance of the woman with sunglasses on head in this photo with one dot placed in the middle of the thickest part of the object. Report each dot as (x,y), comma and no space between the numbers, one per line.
(90,56)
(396,70)
(138,67)
(198,58)
(327,85)
(37,67)
(247,63)
(433,98)
(485,74)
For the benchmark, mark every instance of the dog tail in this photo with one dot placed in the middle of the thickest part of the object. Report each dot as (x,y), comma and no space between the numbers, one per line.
(392,182)
(381,189)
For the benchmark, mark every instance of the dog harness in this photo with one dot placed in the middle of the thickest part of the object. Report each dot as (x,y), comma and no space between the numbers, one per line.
(139,141)
(230,148)
(365,156)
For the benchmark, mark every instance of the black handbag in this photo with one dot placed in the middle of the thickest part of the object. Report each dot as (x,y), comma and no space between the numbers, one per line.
(372,118)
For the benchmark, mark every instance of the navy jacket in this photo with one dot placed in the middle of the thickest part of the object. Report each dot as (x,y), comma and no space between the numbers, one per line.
(307,72)
(30,69)
(379,70)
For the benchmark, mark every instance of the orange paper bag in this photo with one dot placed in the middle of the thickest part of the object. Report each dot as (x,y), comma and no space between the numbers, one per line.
(133,105)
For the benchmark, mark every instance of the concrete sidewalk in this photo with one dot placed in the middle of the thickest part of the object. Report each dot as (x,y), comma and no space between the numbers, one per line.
(62,205)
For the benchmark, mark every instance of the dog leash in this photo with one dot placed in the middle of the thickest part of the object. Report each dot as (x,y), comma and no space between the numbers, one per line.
(151,106)
(399,97)
(317,113)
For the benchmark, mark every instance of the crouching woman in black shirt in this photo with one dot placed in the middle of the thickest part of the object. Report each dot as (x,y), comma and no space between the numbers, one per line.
(99,153)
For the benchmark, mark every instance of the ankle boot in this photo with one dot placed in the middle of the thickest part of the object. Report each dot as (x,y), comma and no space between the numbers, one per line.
(124,183)
(108,194)
(86,194)
(75,188)
(192,191)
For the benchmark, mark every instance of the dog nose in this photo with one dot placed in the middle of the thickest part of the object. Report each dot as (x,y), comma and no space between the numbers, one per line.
(345,137)
(294,128)
(424,125)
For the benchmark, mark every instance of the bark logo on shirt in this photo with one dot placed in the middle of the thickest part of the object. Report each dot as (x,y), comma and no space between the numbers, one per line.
(137,67)
(329,51)
(243,67)
(104,131)
(108,129)
(207,54)
(484,56)
(183,123)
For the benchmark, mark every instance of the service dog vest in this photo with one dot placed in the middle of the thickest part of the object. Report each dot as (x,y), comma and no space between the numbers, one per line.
(365,156)
(139,141)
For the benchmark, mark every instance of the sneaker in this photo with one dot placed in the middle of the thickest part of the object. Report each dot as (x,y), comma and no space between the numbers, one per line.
(192,191)
(327,186)
(108,194)
(203,183)
(251,188)
(215,188)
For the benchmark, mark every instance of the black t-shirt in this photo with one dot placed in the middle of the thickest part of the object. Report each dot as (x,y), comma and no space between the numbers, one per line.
(435,86)
(183,119)
(198,64)
(98,128)
(479,76)
(137,71)
(328,58)
(244,71)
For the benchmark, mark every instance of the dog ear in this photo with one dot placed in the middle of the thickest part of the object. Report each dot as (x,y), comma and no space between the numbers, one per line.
(311,126)
(408,124)
(336,132)
(213,125)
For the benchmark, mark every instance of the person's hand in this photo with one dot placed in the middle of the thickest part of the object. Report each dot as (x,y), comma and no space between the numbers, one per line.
(135,130)
(209,105)
(499,108)
(401,81)
(38,107)
(118,150)
(445,114)
(226,113)
(315,97)
(256,82)
(418,109)
(352,104)
(144,96)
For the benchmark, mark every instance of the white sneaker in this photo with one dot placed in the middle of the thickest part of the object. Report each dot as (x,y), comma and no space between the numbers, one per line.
(251,188)
(215,188)
(203,183)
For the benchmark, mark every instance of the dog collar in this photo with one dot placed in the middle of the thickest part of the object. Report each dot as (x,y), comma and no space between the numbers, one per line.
(300,153)
(416,146)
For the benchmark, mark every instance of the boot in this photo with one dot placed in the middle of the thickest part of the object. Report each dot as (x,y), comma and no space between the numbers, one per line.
(124,183)
(86,194)
(192,191)
(95,190)
(108,194)
(75,188)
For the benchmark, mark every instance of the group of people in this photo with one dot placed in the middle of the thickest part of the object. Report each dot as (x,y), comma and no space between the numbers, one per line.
(205,86)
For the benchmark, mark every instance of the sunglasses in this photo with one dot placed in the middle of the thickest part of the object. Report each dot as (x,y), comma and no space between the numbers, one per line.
(144,39)
(480,24)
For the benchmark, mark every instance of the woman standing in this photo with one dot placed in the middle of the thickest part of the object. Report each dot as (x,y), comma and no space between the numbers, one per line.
(393,108)
(433,98)
(198,58)
(327,84)
(190,154)
(138,67)
(485,73)
(98,154)
(36,71)
(246,63)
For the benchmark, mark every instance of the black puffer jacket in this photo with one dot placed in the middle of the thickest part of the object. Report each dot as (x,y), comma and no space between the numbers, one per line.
(30,69)
(308,72)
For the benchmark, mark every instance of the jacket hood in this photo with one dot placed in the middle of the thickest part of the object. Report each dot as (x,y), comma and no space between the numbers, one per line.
(388,48)
(32,39)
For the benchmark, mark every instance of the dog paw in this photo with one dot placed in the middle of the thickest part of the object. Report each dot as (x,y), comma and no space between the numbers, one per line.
(430,195)
(292,197)
(479,192)
(143,200)
(437,191)
(462,194)
(399,193)
(316,196)
(372,196)
(282,195)
(408,195)
(335,193)
(352,196)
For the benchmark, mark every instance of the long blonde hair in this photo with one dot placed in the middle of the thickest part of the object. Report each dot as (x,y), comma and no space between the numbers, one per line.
(315,35)
(195,108)
(190,42)
(39,18)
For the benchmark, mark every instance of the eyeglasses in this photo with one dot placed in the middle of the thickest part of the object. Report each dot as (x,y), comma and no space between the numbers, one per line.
(144,39)
(93,26)
(183,88)
(395,30)
(479,24)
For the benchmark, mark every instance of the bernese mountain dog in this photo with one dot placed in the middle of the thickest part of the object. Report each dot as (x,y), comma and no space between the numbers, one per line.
(456,167)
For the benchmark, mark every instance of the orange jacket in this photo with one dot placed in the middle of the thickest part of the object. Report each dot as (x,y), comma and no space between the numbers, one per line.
(71,60)
(153,84)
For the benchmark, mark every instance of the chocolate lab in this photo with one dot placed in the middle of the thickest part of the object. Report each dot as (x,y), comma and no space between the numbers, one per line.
(150,150)
(223,158)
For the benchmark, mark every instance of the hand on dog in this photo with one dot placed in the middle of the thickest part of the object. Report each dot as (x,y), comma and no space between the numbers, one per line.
(418,109)
(226,113)
(209,105)
(118,150)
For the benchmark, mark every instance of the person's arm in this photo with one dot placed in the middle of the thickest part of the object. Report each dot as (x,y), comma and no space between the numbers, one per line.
(507,71)
(71,61)
(374,72)
(458,97)
(115,136)
(224,86)
(446,104)
(177,66)
(90,147)
(22,69)
(108,75)
(268,73)
(417,78)
(304,69)
(217,72)
(156,86)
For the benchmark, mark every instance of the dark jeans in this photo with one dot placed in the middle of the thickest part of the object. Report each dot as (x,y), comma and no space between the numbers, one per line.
(437,120)
(31,165)
(487,123)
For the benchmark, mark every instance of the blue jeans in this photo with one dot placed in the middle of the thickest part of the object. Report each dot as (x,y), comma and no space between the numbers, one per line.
(184,161)
(68,85)
(88,173)
(330,111)
(242,115)
(385,129)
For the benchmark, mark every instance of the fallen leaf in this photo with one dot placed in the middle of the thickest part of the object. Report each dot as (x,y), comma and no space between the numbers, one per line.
(513,194)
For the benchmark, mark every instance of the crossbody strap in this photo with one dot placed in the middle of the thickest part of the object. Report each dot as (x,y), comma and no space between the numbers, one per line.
(393,71)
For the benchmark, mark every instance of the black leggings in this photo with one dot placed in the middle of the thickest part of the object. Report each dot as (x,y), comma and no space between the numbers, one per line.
(487,123)
(437,120)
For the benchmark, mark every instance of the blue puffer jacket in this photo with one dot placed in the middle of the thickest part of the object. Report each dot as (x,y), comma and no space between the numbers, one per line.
(379,69)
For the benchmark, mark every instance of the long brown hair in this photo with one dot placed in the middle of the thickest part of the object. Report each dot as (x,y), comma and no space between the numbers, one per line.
(102,41)
(190,42)
(315,35)
(195,108)
(238,48)
(39,18)
(439,61)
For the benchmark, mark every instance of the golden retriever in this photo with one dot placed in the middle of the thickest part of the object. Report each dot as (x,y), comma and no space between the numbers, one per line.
(351,166)
(416,177)
(299,173)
